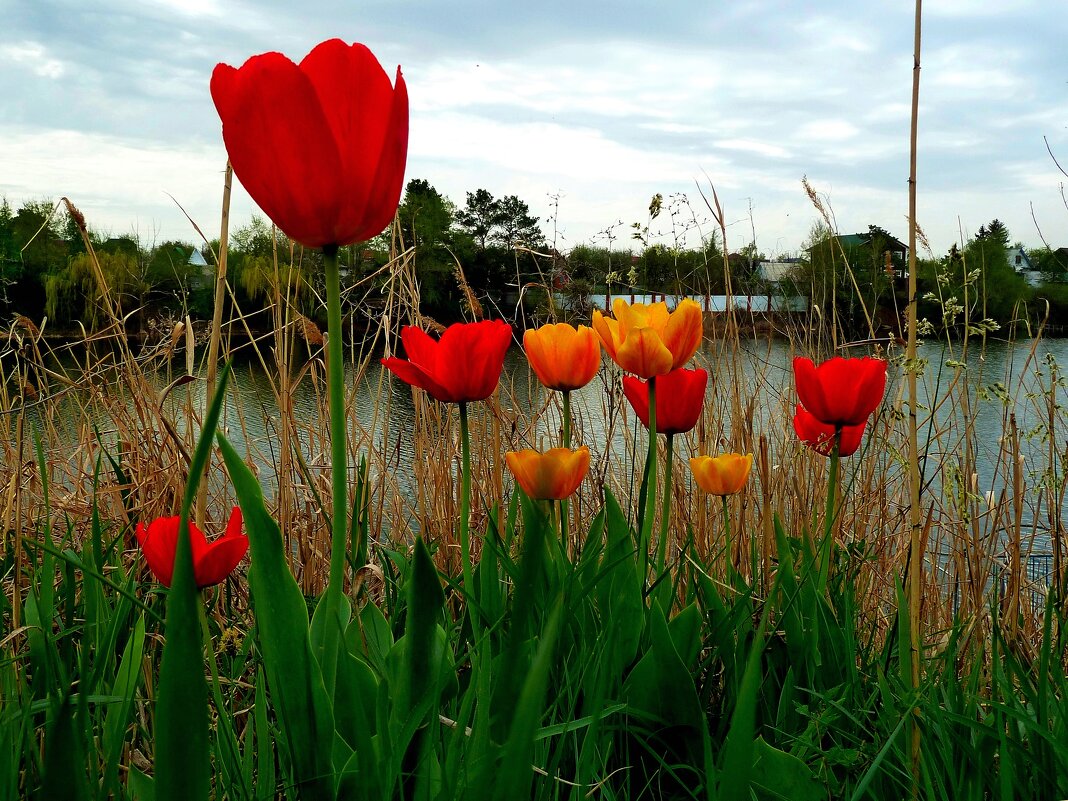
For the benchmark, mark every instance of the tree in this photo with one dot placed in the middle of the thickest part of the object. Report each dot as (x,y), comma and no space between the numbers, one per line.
(515,225)
(480,217)
(426,218)
(506,223)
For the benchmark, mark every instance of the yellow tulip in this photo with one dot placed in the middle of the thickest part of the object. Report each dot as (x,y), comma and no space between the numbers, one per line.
(550,476)
(725,474)
(563,357)
(647,340)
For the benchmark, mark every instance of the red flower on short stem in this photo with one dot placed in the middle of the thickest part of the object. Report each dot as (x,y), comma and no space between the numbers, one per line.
(840,392)
(464,365)
(212,561)
(321,145)
(680,396)
(820,436)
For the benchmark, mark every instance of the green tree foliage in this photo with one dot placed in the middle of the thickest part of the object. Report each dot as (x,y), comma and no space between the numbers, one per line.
(856,274)
(973,284)
(427,221)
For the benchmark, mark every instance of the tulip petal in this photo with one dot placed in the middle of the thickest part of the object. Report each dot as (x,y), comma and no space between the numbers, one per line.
(368,122)
(820,436)
(680,397)
(292,171)
(683,332)
(471,357)
(233,525)
(159,542)
(388,181)
(550,476)
(607,331)
(809,389)
(414,375)
(219,559)
(644,354)
(637,392)
(841,392)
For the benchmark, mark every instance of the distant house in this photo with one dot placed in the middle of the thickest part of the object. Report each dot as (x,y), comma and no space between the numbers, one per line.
(774,273)
(1021,263)
(894,253)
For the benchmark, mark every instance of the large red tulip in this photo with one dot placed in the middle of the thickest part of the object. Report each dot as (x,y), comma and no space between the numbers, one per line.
(840,392)
(464,365)
(320,146)
(212,561)
(820,436)
(680,396)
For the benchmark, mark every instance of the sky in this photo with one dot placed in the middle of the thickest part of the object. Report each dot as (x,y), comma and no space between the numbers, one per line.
(584,110)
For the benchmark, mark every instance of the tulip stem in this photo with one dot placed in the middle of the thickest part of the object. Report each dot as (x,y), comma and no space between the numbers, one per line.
(564,506)
(650,477)
(665,511)
(828,522)
(727,536)
(465,512)
(335,376)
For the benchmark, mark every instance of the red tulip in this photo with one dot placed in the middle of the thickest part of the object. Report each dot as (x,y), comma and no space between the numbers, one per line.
(465,365)
(680,396)
(212,561)
(840,392)
(320,146)
(820,436)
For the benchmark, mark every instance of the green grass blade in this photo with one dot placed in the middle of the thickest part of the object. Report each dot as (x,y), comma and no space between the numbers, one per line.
(183,771)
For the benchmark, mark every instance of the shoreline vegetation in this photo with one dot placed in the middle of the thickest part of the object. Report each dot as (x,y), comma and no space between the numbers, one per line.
(815,609)
(493,253)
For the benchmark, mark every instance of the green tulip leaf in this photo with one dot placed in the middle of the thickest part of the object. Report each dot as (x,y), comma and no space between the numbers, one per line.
(660,685)
(294,678)
(782,776)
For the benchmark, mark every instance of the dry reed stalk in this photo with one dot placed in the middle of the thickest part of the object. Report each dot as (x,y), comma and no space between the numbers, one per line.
(216,320)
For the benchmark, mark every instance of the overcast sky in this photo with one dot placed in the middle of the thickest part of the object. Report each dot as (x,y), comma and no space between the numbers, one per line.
(598,104)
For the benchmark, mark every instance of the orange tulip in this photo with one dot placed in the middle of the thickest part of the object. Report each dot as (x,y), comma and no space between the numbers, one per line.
(721,475)
(550,476)
(564,358)
(647,340)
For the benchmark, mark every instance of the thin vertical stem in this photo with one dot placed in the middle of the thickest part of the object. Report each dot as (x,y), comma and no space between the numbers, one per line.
(216,322)
(916,545)
(335,378)
(650,478)
(665,510)
(465,511)
(727,535)
(824,563)
(566,442)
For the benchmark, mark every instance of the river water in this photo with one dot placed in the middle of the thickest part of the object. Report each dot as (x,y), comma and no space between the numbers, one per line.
(1002,379)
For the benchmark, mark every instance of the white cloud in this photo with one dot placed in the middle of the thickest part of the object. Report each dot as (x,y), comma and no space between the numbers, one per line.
(34,56)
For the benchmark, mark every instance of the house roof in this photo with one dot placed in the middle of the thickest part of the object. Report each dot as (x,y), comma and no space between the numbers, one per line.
(860,240)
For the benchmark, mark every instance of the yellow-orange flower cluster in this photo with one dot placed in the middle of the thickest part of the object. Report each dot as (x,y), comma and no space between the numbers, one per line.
(550,476)
(563,357)
(725,474)
(647,340)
